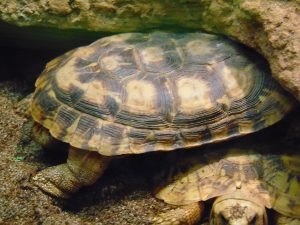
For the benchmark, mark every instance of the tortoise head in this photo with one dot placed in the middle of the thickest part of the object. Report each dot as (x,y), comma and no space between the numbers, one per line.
(237,211)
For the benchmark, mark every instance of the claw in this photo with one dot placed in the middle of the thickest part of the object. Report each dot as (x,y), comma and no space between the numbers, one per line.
(57,181)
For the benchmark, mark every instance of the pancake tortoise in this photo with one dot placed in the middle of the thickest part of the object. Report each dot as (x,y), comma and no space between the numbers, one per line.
(135,93)
(243,182)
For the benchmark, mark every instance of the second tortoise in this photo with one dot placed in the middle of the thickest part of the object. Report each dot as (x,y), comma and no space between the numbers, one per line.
(242,179)
(136,93)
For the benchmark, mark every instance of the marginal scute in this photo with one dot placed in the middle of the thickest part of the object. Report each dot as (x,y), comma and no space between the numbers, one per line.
(186,89)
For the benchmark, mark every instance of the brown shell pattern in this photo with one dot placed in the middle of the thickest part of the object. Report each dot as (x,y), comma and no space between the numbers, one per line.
(136,93)
(272,180)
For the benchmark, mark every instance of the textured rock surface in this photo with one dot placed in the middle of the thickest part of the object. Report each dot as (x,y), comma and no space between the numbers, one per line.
(269,26)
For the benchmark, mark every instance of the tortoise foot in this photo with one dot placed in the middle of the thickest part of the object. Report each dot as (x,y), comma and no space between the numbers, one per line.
(184,215)
(83,168)
(58,181)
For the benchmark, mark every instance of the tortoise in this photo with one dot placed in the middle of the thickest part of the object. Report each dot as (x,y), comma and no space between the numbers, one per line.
(134,93)
(241,179)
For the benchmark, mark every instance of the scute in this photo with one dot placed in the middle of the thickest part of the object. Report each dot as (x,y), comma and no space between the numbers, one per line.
(185,89)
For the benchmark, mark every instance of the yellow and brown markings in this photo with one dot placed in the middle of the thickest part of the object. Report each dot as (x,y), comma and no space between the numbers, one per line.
(140,136)
(240,89)
(220,131)
(141,97)
(44,106)
(112,62)
(120,38)
(112,135)
(281,103)
(292,163)
(237,174)
(165,139)
(105,98)
(241,168)
(119,61)
(206,50)
(65,118)
(95,93)
(195,134)
(51,67)
(237,84)
(199,47)
(188,89)
(85,52)
(68,76)
(86,131)
(146,103)
(285,204)
(194,95)
(282,176)
(159,56)
(88,90)
(200,182)
(151,55)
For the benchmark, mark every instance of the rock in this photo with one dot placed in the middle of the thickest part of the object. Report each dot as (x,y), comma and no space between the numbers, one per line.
(269,26)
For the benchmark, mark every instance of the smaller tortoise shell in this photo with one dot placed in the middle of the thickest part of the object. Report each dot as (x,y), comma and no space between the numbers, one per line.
(268,179)
(136,93)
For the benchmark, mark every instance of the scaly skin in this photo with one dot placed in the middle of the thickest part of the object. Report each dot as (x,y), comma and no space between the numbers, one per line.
(83,168)
(183,215)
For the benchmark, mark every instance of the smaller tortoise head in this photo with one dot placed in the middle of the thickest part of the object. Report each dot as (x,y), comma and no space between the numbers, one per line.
(233,211)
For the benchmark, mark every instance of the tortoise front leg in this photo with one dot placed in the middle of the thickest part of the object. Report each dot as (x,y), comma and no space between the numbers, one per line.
(83,168)
(284,220)
(183,215)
